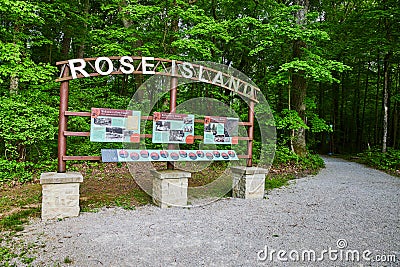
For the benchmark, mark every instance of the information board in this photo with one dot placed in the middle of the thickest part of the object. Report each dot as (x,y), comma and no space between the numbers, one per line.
(114,125)
(129,155)
(173,128)
(220,130)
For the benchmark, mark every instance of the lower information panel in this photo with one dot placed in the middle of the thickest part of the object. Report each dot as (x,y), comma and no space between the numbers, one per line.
(131,155)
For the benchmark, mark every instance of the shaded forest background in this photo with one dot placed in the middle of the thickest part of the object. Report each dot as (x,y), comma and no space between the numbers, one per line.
(330,70)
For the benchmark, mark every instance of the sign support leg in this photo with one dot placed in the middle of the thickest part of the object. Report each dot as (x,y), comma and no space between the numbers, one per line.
(250,135)
(172,107)
(62,123)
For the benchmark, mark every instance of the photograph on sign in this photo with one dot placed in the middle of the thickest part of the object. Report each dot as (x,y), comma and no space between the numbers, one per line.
(129,155)
(220,130)
(114,125)
(173,128)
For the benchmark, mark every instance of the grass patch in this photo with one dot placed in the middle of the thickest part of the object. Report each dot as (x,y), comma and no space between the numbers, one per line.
(67,260)
(6,255)
(15,221)
(13,199)
(277,181)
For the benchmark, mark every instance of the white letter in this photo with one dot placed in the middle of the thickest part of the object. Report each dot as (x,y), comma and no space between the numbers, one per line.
(324,251)
(201,79)
(145,65)
(80,68)
(352,255)
(262,258)
(291,257)
(271,255)
(189,70)
(366,255)
(281,255)
(173,68)
(310,254)
(331,256)
(97,65)
(129,66)
(234,84)
(218,78)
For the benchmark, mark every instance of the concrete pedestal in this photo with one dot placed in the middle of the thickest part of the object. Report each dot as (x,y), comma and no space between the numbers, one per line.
(248,182)
(60,194)
(170,188)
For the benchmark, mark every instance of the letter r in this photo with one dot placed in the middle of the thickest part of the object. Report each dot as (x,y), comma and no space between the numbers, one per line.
(79,68)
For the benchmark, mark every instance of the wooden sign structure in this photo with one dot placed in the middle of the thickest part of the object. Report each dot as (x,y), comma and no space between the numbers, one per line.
(79,68)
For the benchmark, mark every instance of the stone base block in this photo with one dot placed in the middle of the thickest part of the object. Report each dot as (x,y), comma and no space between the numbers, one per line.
(248,182)
(60,194)
(170,188)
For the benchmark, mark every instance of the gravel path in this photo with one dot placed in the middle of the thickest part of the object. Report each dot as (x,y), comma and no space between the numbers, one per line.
(347,210)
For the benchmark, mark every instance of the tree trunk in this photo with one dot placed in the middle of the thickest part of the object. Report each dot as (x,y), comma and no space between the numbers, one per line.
(299,84)
(341,139)
(14,80)
(66,43)
(378,81)
(386,70)
(396,111)
(356,111)
(395,124)
(386,63)
(364,105)
(335,117)
(81,48)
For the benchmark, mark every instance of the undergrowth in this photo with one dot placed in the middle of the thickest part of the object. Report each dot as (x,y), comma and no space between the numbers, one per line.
(389,161)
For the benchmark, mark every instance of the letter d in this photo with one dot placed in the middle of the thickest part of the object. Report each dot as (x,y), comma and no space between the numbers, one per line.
(262,255)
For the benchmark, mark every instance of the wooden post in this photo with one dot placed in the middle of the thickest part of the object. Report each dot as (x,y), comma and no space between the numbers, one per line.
(62,122)
(172,106)
(250,134)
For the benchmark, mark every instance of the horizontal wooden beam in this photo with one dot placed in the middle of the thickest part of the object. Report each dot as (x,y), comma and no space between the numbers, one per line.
(197,137)
(148,118)
(77,113)
(68,133)
(92,158)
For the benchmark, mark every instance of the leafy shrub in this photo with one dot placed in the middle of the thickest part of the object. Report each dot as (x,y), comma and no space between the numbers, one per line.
(312,162)
(11,170)
(284,156)
(28,124)
(389,161)
(25,122)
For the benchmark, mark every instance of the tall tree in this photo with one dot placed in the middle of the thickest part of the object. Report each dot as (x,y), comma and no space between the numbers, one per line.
(299,83)
(20,22)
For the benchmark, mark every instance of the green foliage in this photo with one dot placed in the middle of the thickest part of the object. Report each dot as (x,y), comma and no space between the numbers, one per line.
(289,120)
(317,124)
(344,41)
(311,162)
(16,63)
(11,170)
(6,255)
(284,155)
(314,67)
(24,123)
(389,161)
(277,181)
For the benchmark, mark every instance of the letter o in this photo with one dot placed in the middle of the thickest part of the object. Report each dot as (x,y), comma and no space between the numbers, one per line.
(97,65)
